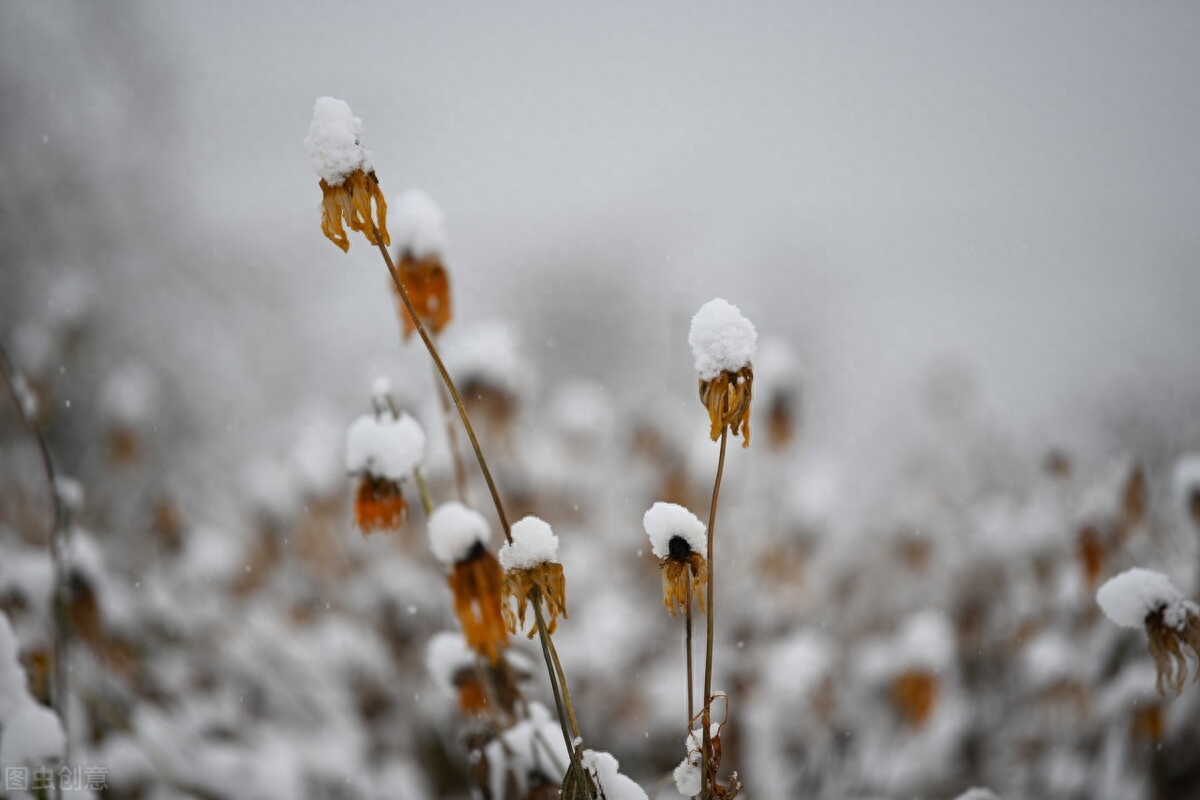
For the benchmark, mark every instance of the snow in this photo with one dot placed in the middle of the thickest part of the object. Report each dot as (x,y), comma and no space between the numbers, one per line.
(381,390)
(605,771)
(722,340)
(1186,476)
(32,736)
(664,521)
(70,493)
(530,747)
(488,349)
(454,530)
(385,446)
(12,677)
(446,655)
(978,793)
(1127,599)
(130,395)
(418,225)
(687,774)
(533,543)
(334,141)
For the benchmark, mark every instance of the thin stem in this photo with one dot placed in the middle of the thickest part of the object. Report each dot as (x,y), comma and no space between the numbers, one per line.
(562,683)
(58,540)
(423,490)
(460,469)
(706,716)
(687,649)
(536,598)
(449,382)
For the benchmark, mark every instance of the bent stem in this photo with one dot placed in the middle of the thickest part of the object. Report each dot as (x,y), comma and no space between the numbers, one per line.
(566,713)
(706,716)
(58,541)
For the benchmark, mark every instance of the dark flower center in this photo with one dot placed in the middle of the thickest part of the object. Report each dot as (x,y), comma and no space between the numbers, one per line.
(678,548)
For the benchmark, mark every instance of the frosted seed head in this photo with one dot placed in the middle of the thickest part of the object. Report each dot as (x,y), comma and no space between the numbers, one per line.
(334,141)
(1127,599)
(665,522)
(533,543)
(455,530)
(722,340)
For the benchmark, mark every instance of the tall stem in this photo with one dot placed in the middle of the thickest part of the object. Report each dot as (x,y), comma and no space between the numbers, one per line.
(449,382)
(423,490)
(706,716)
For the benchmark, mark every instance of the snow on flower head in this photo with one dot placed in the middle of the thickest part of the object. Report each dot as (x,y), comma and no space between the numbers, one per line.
(350,193)
(418,225)
(533,542)
(605,771)
(722,340)
(1144,598)
(678,539)
(334,141)
(666,521)
(1127,599)
(385,446)
(446,657)
(455,530)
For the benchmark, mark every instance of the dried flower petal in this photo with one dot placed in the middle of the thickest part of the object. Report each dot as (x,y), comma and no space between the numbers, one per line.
(350,202)
(379,505)
(727,398)
(476,583)
(519,585)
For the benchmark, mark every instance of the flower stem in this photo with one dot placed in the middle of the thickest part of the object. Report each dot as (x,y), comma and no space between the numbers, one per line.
(565,719)
(449,382)
(706,716)
(423,490)
(687,649)
(460,470)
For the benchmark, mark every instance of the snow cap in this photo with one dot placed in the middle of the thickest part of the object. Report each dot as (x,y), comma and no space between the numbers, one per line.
(533,543)
(334,141)
(446,656)
(665,521)
(1127,599)
(722,339)
(418,225)
(454,530)
(385,447)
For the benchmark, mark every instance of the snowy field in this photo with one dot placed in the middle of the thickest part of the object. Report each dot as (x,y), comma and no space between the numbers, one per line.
(965,235)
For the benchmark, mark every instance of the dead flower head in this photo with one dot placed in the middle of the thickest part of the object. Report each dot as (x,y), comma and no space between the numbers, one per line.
(723,343)
(1141,598)
(420,234)
(677,538)
(379,505)
(350,194)
(531,565)
(383,450)
(457,536)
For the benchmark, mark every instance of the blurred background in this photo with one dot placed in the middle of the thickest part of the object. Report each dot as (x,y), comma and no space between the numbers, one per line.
(966,234)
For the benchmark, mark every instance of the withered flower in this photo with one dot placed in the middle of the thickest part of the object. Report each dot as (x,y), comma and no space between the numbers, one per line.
(723,343)
(420,242)
(530,563)
(350,194)
(677,538)
(1141,598)
(383,450)
(458,536)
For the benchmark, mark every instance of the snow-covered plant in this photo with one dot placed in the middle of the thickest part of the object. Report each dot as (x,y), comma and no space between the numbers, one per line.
(419,230)
(532,574)
(383,450)
(1142,598)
